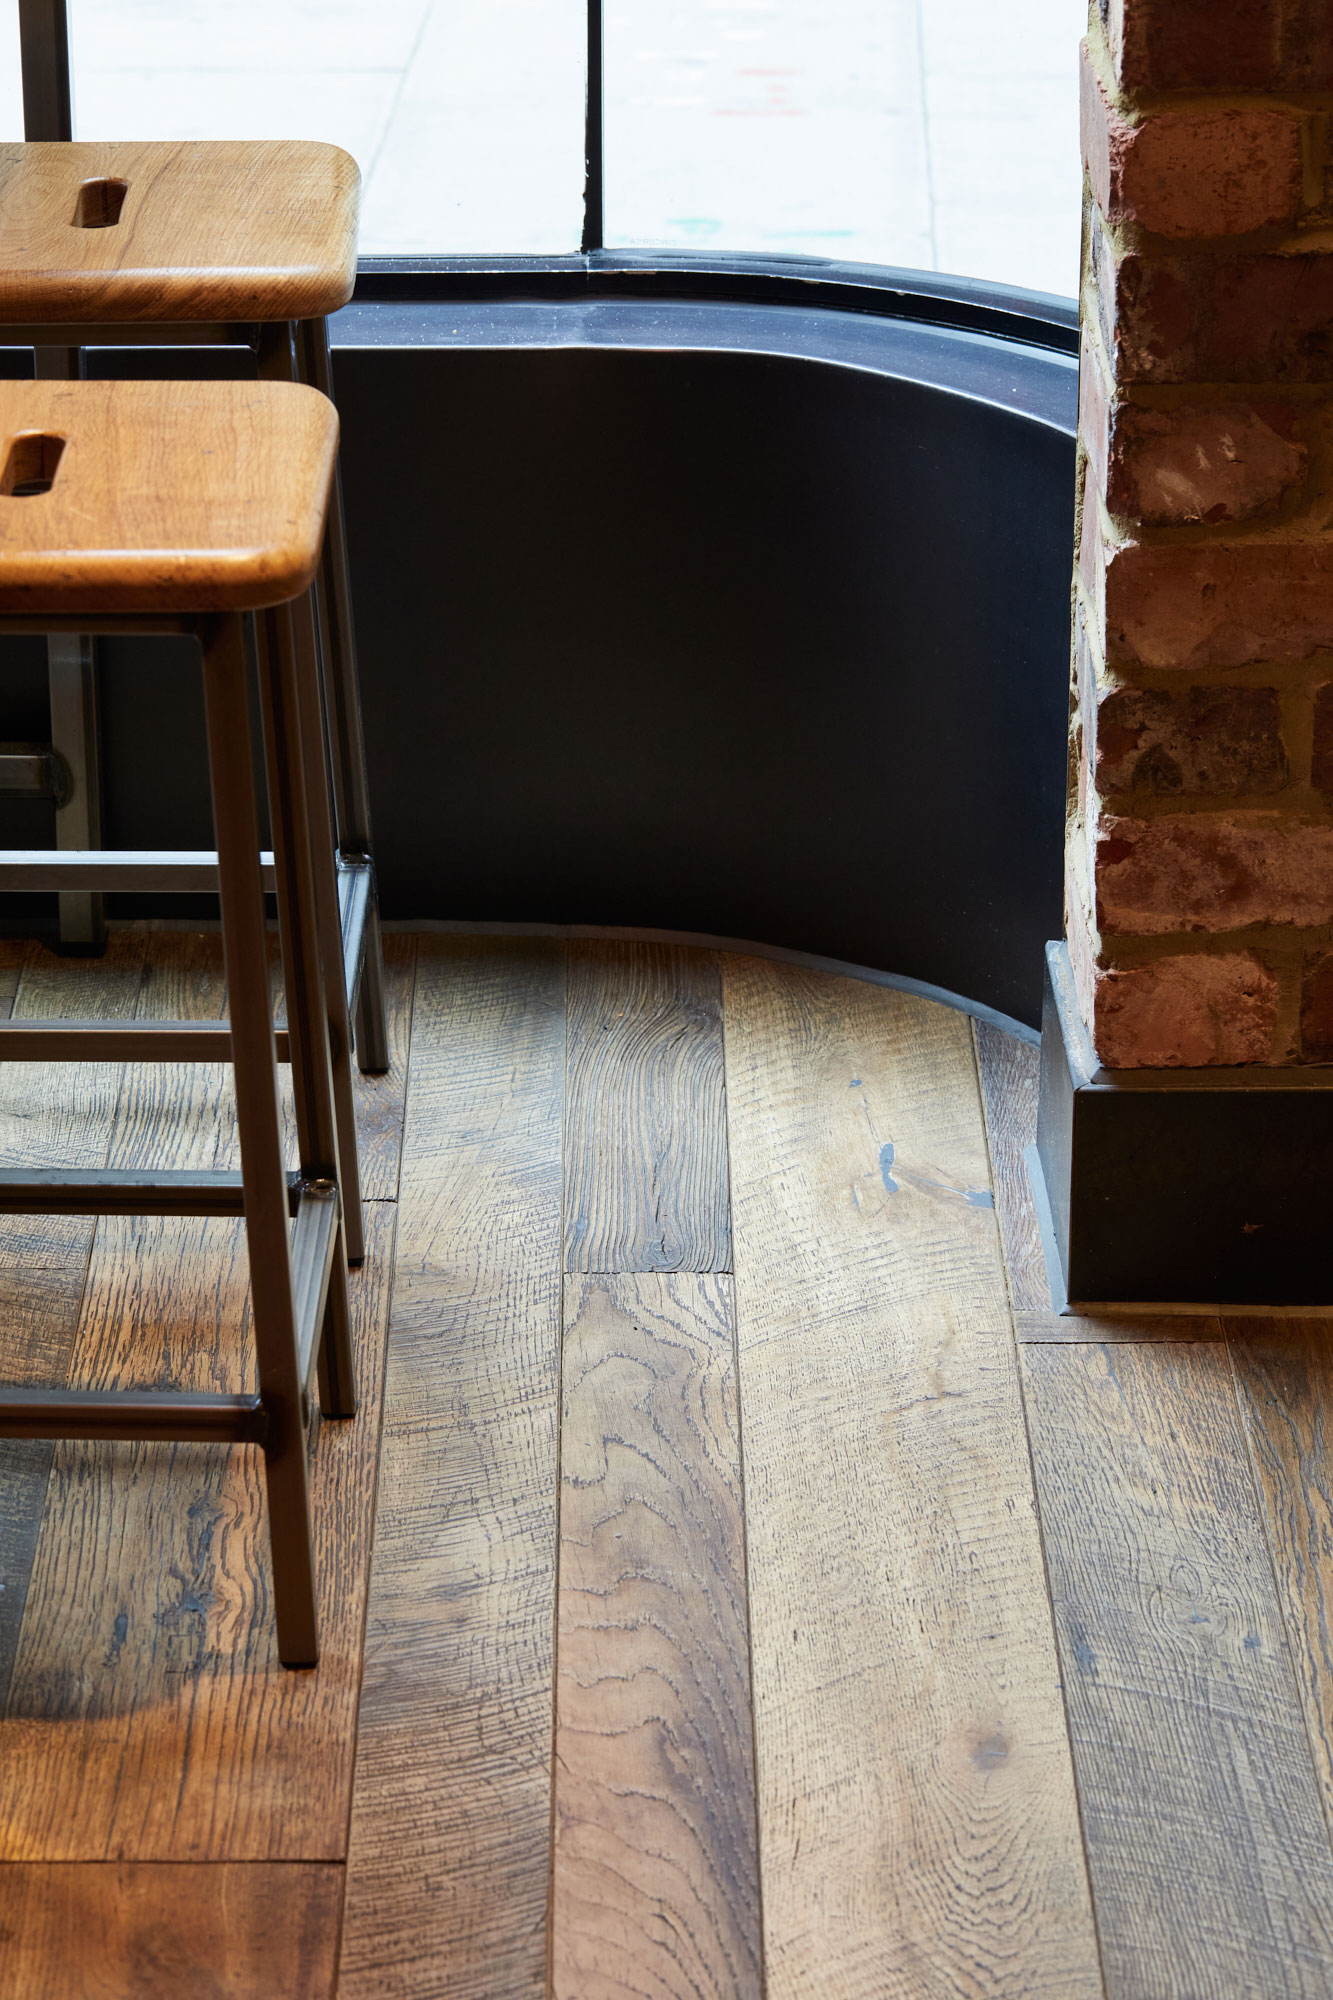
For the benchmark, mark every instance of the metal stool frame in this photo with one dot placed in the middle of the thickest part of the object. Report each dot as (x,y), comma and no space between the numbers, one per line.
(294,1223)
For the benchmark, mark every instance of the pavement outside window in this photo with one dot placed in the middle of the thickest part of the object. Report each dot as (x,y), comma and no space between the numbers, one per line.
(879,131)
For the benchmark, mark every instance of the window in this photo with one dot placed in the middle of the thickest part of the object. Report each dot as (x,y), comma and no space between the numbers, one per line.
(905,132)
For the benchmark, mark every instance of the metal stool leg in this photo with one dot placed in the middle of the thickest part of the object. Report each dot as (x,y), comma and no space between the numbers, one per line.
(343,705)
(72,674)
(327,904)
(329,924)
(245,955)
(300,857)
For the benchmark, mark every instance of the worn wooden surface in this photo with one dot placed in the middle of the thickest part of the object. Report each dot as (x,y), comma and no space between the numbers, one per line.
(580,1810)
(918,1827)
(148,1715)
(1009,1071)
(1207,1847)
(51,1115)
(163,1931)
(208,229)
(450,1845)
(188,496)
(1284,1377)
(646,1152)
(654,1868)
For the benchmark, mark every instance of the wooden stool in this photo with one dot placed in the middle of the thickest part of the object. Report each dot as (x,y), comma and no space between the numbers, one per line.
(179,508)
(250,243)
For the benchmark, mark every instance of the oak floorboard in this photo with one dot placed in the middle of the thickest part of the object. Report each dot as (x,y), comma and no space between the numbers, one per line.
(148,1716)
(1208,1852)
(1010,1070)
(917,1820)
(381,1100)
(654,1872)
(51,1115)
(162,1931)
(1284,1377)
(450,1844)
(646,1145)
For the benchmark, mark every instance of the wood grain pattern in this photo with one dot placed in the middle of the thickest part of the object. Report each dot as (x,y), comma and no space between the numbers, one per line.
(646,1149)
(50,1114)
(381,1100)
(161,1931)
(148,1716)
(655,1881)
(918,1828)
(1208,1851)
(190,496)
(1284,1376)
(210,229)
(449,1859)
(1010,1070)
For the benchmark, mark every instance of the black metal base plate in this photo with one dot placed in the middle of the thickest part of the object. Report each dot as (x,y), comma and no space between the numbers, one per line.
(1171,1187)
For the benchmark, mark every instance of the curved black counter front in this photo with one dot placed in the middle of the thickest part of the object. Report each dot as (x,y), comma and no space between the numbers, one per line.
(736,612)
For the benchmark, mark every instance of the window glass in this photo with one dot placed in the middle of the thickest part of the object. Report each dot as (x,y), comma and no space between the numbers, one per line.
(466,116)
(11,77)
(936,134)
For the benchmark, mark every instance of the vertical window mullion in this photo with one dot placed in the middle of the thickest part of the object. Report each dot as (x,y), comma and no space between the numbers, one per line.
(593,209)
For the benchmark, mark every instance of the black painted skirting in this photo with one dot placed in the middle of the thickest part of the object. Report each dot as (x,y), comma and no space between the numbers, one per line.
(1205,1187)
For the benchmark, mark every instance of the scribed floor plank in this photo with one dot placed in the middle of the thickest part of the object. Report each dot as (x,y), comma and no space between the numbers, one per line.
(1284,1375)
(450,1846)
(918,1828)
(160,1931)
(1209,1856)
(1009,1070)
(148,1717)
(655,1882)
(646,1150)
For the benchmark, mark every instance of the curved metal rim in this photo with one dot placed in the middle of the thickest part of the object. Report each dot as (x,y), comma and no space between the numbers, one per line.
(973,305)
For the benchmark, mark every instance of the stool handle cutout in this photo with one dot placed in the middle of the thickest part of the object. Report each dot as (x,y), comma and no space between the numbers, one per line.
(99,204)
(30,467)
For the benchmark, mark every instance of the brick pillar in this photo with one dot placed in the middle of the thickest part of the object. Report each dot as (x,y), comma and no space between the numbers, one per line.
(1200,852)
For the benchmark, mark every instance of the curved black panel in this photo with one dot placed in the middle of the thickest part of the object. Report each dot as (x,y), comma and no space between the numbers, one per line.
(715,642)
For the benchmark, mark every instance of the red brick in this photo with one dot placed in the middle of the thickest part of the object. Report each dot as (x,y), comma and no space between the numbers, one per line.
(1189,1011)
(1242,319)
(1177,173)
(1205,462)
(1221,740)
(1187,607)
(1209,872)
(1317,1010)
(1221,44)
(1321,769)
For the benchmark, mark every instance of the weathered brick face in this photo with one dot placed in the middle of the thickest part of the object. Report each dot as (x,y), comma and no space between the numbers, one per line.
(1200,852)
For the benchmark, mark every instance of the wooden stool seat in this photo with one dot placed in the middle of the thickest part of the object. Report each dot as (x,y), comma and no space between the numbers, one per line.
(161,496)
(171,230)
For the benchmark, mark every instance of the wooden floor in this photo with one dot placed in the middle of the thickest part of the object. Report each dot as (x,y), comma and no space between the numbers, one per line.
(737,1581)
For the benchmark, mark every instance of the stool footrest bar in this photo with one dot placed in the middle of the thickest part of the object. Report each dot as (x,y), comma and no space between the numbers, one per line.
(135,871)
(127,1191)
(167,1415)
(122,1041)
